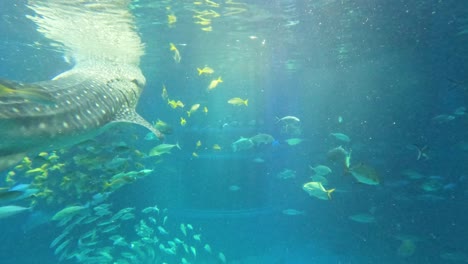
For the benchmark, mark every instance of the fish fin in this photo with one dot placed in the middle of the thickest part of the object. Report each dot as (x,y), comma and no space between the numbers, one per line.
(419,154)
(329,192)
(130,116)
(10,160)
(30,92)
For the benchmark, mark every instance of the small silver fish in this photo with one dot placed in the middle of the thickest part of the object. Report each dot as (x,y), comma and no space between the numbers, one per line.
(292,212)
(10,210)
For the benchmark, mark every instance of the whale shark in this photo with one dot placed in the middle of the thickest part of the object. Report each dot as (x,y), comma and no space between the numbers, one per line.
(101,89)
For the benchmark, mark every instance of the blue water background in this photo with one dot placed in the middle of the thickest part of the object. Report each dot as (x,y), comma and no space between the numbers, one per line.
(387,68)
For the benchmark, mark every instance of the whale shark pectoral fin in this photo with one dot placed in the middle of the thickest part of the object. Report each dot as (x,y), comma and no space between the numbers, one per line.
(130,116)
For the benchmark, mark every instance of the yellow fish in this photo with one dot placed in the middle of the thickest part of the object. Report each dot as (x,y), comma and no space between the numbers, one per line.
(198,144)
(212,13)
(211,3)
(316,189)
(163,127)
(36,170)
(208,29)
(34,93)
(183,122)
(194,154)
(19,167)
(193,109)
(59,166)
(26,161)
(174,104)
(205,110)
(216,147)
(160,123)
(238,101)
(53,157)
(205,70)
(215,83)
(171,19)
(176,57)
(9,179)
(204,22)
(164,93)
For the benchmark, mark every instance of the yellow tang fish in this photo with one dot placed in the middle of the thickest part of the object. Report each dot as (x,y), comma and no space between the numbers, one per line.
(211,3)
(238,101)
(215,83)
(43,154)
(164,93)
(193,109)
(205,70)
(216,147)
(171,19)
(204,22)
(176,57)
(174,104)
(183,122)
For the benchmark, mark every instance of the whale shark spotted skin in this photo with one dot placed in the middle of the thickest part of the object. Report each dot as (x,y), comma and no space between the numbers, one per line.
(101,89)
(84,102)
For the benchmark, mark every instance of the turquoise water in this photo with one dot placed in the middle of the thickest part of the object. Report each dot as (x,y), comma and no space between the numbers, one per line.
(390,76)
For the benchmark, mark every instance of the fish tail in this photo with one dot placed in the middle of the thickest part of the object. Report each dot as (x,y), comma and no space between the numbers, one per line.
(329,192)
(246,102)
(200,71)
(178,146)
